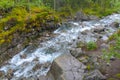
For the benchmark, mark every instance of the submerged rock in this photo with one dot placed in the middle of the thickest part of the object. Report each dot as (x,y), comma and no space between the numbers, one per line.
(66,67)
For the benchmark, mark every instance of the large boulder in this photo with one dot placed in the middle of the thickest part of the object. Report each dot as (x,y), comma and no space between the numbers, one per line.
(67,67)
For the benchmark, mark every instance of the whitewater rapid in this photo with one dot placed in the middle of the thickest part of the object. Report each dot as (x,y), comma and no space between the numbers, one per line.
(61,44)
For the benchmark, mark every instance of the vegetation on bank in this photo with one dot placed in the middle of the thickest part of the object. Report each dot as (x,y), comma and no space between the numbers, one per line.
(17,18)
(114,49)
(26,15)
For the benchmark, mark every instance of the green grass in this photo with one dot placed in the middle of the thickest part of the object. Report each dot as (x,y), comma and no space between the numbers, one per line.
(6,4)
(114,49)
(20,19)
(91,45)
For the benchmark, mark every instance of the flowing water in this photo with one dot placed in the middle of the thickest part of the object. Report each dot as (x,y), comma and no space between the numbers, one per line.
(37,62)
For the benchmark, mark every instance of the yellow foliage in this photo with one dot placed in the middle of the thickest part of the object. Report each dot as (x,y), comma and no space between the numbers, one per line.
(20,18)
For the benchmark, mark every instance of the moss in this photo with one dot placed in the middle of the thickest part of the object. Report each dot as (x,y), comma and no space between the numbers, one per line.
(20,19)
(111,79)
(117,75)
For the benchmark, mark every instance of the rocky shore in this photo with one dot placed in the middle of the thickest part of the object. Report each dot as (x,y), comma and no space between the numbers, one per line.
(80,63)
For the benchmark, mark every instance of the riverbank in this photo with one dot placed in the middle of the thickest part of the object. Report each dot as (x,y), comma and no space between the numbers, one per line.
(81,39)
(29,42)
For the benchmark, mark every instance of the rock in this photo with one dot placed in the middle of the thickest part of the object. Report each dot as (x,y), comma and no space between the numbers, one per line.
(0,17)
(36,67)
(80,16)
(115,24)
(9,74)
(67,67)
(99,29)
(23,56)
(92,17)
(104,46)
(112,58)
(76,52)
(97,35)
(83,59)
(1,73)
(46,65)
(94,75)
(85,32)
(108,64)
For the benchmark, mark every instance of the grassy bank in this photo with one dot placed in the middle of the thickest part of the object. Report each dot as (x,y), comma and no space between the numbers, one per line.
(29,16)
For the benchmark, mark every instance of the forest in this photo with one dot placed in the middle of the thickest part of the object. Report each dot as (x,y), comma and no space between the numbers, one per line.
(36,35)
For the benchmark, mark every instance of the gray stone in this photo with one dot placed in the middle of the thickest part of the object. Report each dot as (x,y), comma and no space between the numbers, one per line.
(76,52)
(81,16)
(94,75)
(104,46)
(112,58)
(67,67)
(0,17)
(99,29)
(92,17)
(1,74)
(85,32)
(115,24)
(83,59)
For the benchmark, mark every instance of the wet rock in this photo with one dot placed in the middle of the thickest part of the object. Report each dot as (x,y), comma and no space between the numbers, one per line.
(1,73)
(99,29)
(23,56)
(105,38)
(36,67)
(66,67)
(36,59)
(94,75)
(115,24)
(46,65)
(76,52)
(85,32)
(9,74)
